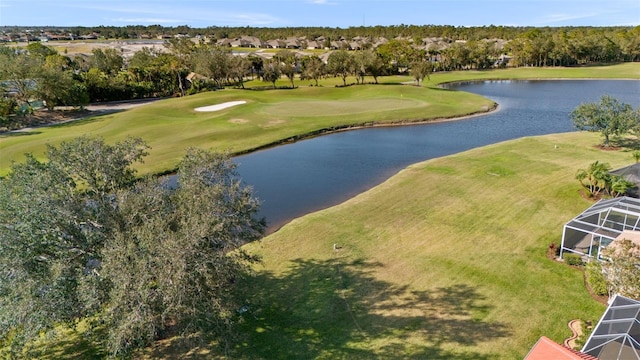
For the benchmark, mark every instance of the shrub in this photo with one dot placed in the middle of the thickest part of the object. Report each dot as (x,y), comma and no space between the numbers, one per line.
(595,278)
(572,259)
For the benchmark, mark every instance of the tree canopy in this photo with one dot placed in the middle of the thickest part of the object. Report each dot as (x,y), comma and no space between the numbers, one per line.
(82,238)
(609,117)
(621,268)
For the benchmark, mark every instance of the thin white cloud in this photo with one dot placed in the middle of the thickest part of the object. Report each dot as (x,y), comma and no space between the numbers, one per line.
(162,13)
(558,18)
(321,2)
(147,21)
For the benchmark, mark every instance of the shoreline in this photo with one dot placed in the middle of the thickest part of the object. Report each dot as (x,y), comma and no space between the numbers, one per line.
(336,129)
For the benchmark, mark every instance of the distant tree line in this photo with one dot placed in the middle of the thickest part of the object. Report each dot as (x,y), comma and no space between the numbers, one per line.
(616,34)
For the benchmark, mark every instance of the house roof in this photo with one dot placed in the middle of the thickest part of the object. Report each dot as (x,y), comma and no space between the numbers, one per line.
(546,349)
(617,334)
(633,236)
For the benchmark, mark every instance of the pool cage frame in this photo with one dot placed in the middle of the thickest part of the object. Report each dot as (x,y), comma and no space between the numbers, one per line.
(594,229)
(617,334)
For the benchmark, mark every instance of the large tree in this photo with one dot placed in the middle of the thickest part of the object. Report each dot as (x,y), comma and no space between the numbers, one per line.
(108,60)
(362,61)
(341,63)
(58,85)
(19,71)
(313,68)
(420,69)
(239,68)
(609,117)
(271,71)
(288,63)
(81,237)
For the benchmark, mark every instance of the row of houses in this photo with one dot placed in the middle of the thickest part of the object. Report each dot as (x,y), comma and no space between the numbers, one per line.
(45,36)
(298,43)
(356,43)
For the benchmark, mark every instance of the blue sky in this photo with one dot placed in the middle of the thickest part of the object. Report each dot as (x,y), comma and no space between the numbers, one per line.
(329,13)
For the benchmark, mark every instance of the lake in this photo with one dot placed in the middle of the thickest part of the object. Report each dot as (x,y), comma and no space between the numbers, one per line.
(295,179)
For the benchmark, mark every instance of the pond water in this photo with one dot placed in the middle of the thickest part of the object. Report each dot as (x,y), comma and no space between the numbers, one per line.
(296,179)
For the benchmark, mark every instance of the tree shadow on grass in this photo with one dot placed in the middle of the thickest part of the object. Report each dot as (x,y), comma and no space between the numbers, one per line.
(69,344)
(9,134)
(337,309)
(627,143)
(97,115)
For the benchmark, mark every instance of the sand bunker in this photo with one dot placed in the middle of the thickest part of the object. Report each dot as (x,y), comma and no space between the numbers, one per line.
(220,106)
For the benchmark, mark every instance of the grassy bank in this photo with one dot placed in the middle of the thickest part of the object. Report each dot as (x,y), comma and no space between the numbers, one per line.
(272,116)
(444,260)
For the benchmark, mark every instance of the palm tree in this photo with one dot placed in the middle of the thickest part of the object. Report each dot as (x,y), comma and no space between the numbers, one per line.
(595,178)
(619,186)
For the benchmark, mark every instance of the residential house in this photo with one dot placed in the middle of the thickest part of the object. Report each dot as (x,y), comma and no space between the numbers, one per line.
(314,44)
(253,42)
(276,44)
(292,43)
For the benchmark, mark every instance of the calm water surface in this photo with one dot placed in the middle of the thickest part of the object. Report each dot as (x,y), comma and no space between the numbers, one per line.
(296,179)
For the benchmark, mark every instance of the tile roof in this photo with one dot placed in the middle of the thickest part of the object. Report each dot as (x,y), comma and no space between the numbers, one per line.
(546,349)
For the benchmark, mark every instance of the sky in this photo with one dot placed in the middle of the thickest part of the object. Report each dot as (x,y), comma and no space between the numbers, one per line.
(322,13)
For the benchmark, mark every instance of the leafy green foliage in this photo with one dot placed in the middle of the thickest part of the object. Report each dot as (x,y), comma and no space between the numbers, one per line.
(609,117)
(313,68)
(271,71)
(572,259)
(420,69)
(621,269)
(596,179)
(288,61)
(341,63)
(80,237)
(595,278)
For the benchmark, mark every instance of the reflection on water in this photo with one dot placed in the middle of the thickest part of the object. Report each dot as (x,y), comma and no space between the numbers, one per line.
(295,179)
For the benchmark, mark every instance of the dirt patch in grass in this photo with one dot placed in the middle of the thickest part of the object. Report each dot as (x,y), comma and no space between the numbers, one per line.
(273,123)
(607,148)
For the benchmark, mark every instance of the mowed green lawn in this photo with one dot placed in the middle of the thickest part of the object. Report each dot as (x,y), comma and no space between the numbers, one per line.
(444,260)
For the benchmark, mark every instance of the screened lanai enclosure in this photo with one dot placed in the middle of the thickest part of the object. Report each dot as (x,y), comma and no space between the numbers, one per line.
(617,335)
(598,226)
